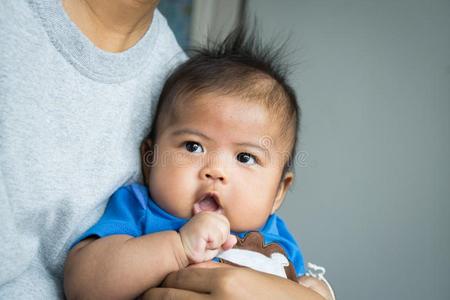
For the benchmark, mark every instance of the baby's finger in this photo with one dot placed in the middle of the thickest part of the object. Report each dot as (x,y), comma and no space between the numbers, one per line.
(210,254)
(230,242)
(218,236)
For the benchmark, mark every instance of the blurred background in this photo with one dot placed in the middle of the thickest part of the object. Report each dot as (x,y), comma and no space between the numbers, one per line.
(371,201)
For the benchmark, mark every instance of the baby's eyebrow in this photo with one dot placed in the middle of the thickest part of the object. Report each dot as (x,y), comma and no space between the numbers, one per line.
(251,145)
(191,131)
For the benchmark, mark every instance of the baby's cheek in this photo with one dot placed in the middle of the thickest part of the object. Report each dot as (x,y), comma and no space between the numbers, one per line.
(176,192)
(247,215)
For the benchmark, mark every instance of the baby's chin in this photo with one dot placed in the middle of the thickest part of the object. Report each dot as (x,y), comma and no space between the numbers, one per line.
(239,225)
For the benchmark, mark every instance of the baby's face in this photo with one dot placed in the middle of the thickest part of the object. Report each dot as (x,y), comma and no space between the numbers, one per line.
(222,154)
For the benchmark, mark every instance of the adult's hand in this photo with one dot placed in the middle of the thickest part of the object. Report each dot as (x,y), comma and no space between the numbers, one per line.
(208,281)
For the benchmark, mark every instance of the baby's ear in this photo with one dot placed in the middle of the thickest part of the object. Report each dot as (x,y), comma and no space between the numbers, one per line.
(282,189)
(146,157)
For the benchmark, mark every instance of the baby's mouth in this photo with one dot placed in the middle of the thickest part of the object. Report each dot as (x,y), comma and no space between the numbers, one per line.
(208,202)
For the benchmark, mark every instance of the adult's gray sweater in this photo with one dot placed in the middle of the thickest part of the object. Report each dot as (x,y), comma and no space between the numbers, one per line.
(71,121)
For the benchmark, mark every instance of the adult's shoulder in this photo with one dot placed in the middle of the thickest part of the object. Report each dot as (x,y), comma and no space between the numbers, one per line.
(168,48)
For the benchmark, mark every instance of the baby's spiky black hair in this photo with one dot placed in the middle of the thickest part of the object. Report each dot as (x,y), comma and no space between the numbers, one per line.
(239,65)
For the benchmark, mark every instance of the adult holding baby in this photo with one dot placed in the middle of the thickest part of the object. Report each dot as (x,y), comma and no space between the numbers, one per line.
(76,82)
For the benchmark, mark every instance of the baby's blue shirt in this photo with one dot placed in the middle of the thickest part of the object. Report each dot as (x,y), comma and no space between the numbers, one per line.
(131,211)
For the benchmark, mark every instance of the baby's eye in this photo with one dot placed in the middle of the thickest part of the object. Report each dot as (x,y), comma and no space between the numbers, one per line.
(246,158)
(193,147)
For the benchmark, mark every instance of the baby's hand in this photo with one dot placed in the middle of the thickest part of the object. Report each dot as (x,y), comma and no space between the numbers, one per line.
(205,235)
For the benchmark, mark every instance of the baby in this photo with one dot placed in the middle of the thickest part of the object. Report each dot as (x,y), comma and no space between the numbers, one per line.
(217,165)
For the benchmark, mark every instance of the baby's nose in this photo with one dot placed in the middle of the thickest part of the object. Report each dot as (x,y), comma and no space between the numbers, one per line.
(213,174)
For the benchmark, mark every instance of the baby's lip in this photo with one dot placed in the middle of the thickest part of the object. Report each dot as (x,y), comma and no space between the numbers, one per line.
(208,202)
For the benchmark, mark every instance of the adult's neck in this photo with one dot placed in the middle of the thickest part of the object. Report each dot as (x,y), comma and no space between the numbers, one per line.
(112,25)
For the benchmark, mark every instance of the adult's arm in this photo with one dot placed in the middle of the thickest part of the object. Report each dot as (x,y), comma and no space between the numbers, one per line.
(228,283)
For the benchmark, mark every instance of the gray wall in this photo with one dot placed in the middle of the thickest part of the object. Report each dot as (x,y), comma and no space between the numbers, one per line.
(372,198)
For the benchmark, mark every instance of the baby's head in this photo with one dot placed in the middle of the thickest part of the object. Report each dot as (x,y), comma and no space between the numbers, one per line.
(224,134)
